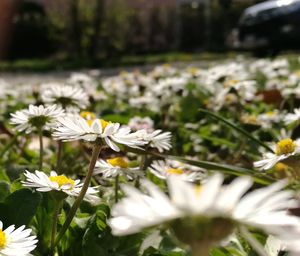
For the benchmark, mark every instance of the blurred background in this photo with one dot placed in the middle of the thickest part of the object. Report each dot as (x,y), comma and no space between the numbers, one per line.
(95,31)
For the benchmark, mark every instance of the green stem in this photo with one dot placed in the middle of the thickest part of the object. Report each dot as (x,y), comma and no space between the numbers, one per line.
(75,206)
(59,156)
(9,145)
(57,207)
(238,129)
(41,149)
(116,188)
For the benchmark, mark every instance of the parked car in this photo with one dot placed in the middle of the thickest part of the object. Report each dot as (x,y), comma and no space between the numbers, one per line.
(269,26)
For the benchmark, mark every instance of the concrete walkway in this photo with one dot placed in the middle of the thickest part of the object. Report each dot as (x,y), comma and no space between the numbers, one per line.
(16,78)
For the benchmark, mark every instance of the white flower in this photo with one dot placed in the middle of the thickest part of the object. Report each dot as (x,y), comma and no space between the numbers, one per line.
(138,123)
(292,117)
(82,79)
(115,166)
(269,117)
(76,128)
(16,242)
(36,117)
(273,246)
(264,208)
(156,139)
(54,182)
(163,170)
(70,97)
(283,149)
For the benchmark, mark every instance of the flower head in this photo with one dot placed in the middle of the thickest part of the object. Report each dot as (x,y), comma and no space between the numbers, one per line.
(70,97)
(54,182)
(16,242)
(292,117)
(221,207)
(282,150)
(156,139)
(36,117)
(115,166)
(163,170)
(76,128)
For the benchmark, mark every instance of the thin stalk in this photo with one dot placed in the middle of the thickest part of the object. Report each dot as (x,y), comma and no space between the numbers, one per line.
(41,149)
(116,188)
(75,206)
(142,167)
(59,155)
(238,129)
(252,241)
(57,207)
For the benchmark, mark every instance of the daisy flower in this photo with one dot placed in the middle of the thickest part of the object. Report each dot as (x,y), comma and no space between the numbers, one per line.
(214,208)
(70,97)
(283,149)
(270,117)
(16,242)
(115,166)
(77,128)
(54,182)
(164,169)
(138,123)
(36,117)
(156,139)
(292,117)
(273,246)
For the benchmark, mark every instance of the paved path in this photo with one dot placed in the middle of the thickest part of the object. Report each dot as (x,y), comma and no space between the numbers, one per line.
(36,78)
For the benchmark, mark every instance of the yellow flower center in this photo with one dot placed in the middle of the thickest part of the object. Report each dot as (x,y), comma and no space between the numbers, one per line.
(175,171)
(61,180)
(193,71)
(198,189)
(2,239)
(104,123)
(118,161)
(270,113)
(297,73)
(230,98)
(230,82)
(249,119)
(285,146)
(87,115)
(280,167)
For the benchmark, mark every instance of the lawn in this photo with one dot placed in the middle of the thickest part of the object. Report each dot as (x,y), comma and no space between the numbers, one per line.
(179,160)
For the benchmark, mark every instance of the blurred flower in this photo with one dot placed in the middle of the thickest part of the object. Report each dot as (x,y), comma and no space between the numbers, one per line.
(70,97)
(139,123)
(54,182)
(164,169)
(283,149)
(292,117)
(36,117)
(213,208)
(16,242)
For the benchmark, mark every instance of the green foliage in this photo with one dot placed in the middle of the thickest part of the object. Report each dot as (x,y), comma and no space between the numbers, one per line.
(19,207)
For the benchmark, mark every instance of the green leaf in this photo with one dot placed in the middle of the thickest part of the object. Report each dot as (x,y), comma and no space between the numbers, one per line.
(237,128)
(226,168)
(3,175)
(19,207)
